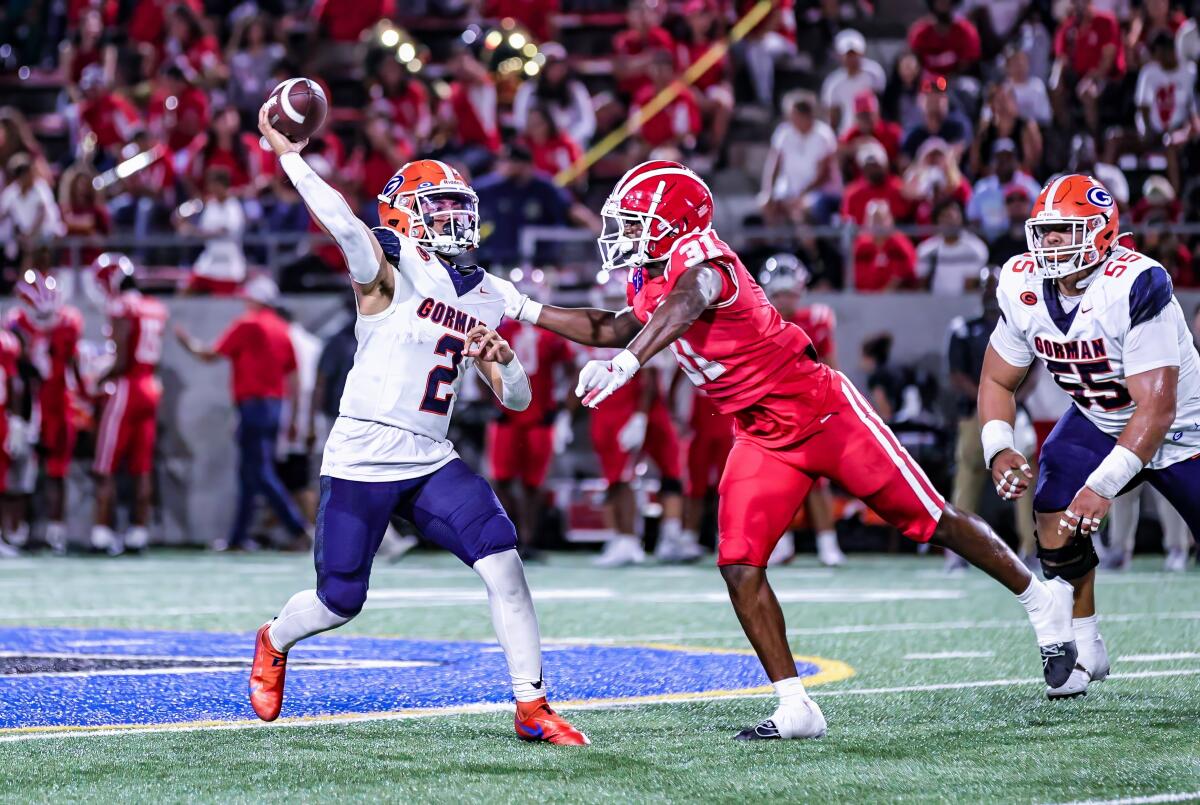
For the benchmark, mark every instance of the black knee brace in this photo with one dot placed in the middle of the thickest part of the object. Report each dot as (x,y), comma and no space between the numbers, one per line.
(1072,561)
(671,486)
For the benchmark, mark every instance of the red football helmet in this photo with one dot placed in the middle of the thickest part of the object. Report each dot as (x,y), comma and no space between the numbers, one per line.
(39,293)
(428,201)
(109,271)
(1081,209)
(650,209)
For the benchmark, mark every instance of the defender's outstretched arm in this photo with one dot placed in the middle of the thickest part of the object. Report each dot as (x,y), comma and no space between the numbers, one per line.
(589,326)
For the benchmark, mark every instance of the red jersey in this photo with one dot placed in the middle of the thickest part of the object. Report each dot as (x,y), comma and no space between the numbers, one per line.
(1081,43)
(819,321)
(541,352)
(947,52)
(111,118)
(680,117)
(737,350)
(52,352)
(633,43)
(10,352)
(147,318)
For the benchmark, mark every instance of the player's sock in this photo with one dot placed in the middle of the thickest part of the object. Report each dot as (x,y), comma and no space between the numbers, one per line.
(797,716)
(302,616)
(19,536)
(515,622)
(137,538)
(1049,607)
(102,538)
(1093,654)
(791,692)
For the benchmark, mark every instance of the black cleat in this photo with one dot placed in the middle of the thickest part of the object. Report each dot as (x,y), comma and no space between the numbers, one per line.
(1058,661)
(764,731)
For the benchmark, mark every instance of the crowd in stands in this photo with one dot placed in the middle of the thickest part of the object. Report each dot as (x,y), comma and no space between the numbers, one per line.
(905,157)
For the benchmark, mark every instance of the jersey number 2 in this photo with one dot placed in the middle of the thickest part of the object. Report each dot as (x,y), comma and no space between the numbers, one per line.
(433,402)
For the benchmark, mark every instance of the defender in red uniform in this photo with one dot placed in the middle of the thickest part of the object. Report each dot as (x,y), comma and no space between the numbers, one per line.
(819,321)
(521,444)
(49,332)
(796,419)
(131,394)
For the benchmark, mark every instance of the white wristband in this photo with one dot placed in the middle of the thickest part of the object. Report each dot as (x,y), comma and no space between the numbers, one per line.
(529,311)
(627,362)
(1115,472)
(997,436)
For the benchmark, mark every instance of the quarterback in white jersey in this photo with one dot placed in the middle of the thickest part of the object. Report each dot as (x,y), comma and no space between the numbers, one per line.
(423,323)
(1104,320)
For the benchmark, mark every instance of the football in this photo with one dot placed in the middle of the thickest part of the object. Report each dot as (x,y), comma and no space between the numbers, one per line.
(297,108)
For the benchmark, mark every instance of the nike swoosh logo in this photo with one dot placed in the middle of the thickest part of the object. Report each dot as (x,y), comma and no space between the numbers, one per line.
(1085,310)
(538,733)
(824,418)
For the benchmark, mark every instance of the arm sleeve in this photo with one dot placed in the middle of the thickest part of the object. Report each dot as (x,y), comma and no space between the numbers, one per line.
(333,213)
(1153,344)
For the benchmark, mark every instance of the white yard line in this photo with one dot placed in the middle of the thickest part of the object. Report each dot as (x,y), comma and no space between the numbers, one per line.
(492,708)
(1179,655)
(950,655)
(1190,796)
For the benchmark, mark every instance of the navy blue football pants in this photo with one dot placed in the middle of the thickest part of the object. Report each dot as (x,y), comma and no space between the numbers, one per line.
(453,507)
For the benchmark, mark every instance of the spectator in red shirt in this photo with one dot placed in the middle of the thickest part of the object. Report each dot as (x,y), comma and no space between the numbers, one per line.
(876,183)
(149,18)
(380,153)
(188,41)
(946,44)
(678,123)
(106,115)
(344,23)
(225,145)
(83,213)
(884,259)
(1089,61)
(868,125)
(712,89)
(633,47)
(469,115)
(536,15)
(1153,18)
(178,108)
(551,148)
(89,45)
(396,91)
(259,348)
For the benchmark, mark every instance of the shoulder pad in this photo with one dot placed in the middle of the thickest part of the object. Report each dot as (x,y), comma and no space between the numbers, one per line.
(1150,292)
(389,240)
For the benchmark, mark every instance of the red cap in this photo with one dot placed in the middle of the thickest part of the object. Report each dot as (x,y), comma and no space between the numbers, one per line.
(865,101)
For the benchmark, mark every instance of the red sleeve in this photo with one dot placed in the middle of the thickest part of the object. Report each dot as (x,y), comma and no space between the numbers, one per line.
(850,205)
(232,340)
(907,258)
(914,35)
(1060,38)
(968,44)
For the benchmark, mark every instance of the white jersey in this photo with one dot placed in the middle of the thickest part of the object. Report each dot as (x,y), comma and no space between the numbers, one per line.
(1126,322)
(408,369)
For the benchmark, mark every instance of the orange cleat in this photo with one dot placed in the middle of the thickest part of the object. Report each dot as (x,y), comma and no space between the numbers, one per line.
(266,676)
(535,721)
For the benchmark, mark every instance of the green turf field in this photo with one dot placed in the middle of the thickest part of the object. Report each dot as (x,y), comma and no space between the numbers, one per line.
(944,703)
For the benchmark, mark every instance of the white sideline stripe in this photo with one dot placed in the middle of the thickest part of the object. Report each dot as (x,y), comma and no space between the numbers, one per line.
(1179,655)
(500,708)
(949,655)
(1190,796)
(873,628)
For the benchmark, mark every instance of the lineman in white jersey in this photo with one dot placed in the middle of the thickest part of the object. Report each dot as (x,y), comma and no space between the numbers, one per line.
(1105,321)
(423,322)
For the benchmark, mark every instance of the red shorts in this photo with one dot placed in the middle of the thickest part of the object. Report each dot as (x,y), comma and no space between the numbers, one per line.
(768,476)
(520,451)
(128,427)
(57,440)
(662,443)
(5,460)
(707,453)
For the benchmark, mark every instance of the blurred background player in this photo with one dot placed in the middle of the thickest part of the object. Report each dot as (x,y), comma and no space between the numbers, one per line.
(49,331)
(1123,520)
(636,421)
(522,444)
(10,390)
(788,286)
(131,393)
(710,438)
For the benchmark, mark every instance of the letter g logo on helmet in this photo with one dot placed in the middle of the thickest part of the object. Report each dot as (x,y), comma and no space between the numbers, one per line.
(1099,196)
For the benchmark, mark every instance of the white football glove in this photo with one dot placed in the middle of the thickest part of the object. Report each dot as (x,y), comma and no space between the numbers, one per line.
(517,305)
(599,379)
(563,434)
(633,433)
(17,443)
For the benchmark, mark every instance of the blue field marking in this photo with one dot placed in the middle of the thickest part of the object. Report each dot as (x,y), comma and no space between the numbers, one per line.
(108,677)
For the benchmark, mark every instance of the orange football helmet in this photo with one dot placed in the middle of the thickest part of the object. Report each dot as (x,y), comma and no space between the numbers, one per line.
(1078,206)
(428,201)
